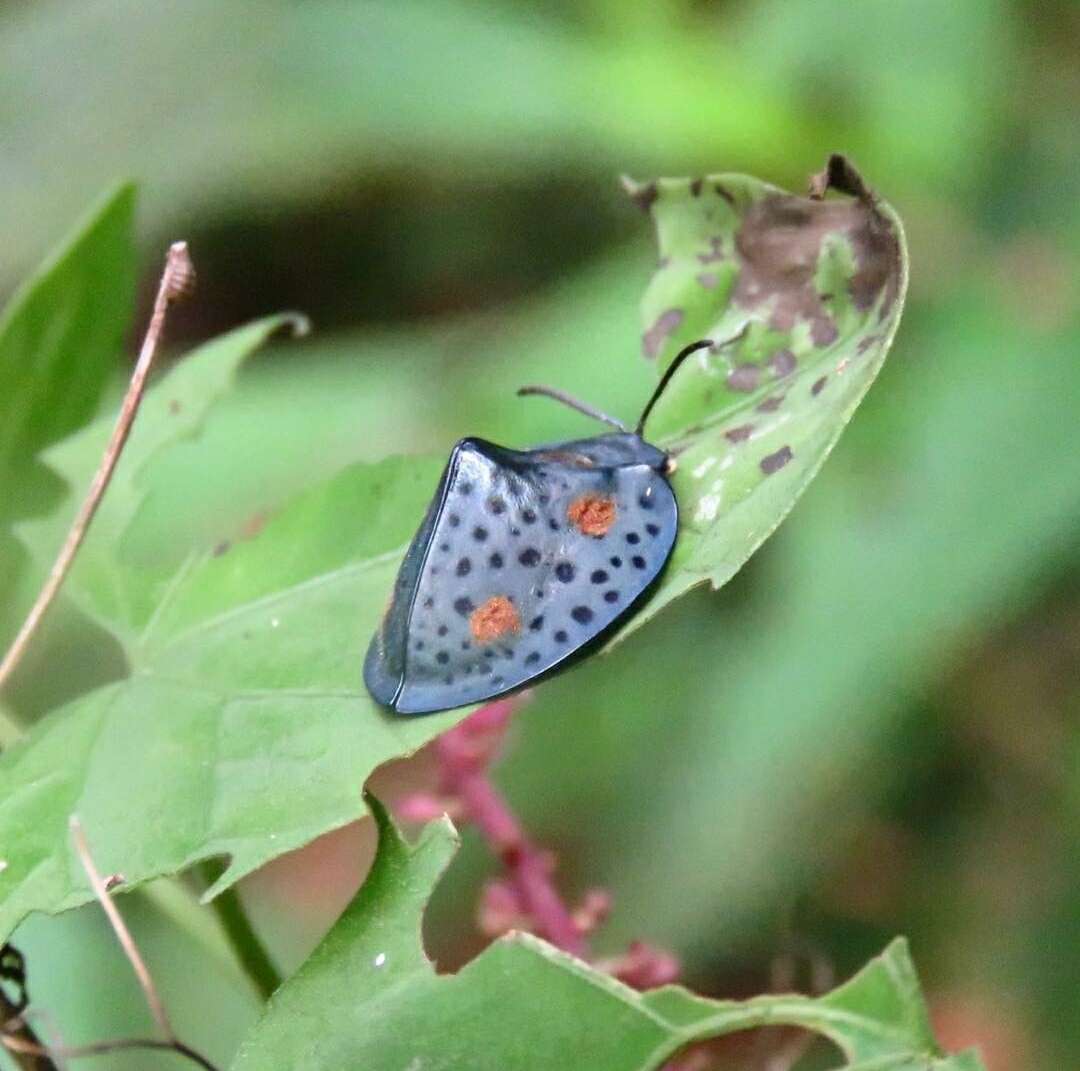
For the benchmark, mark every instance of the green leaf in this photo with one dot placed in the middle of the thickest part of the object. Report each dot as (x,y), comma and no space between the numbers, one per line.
(802,298)
(368,997)
(61,333)
(60,336)
(115,582)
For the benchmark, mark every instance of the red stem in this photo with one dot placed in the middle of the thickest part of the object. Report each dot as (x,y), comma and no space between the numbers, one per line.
(463,754)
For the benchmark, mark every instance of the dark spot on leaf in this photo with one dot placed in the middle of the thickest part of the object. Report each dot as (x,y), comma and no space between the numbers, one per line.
(782,362)
(726,194)
(715,252)
(819,385)
(656,336)
(770,405)
(174,406)
(774,462)
(529,557)
(865,344)
(581,614)
(708,279)
(823,331)
(464,567)
(695,186)
(222,548)
(565,572)
(744,377)
(739,434)
(464,605)
(644,195)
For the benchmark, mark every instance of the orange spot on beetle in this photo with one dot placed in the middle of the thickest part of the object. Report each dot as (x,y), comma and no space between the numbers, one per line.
(592,515)
(495,618)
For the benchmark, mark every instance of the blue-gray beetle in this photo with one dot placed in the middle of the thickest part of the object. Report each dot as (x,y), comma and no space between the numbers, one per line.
(523,558)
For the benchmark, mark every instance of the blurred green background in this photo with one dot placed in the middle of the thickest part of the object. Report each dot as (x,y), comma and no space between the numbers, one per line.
(872,729)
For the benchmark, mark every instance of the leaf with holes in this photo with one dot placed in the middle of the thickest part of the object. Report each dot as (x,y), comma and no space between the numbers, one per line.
(801,297)
(368,997)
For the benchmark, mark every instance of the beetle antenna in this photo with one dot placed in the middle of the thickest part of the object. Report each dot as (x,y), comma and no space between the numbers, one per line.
(573,403)
(665,379)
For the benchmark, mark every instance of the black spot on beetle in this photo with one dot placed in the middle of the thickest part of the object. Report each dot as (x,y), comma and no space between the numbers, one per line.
(645,501)
(442,630)
(529,557)
(528,516)
(598,576)
(532,659)
(496,504)
(464,605)
(638,561)
(616,561)
(652,529)
(581,614)
(611,596)
(479,533)
(442,658)
(453,520)
(632,538)
(496,560)
(464,567)
(537,623)
(561,637)
(565,572)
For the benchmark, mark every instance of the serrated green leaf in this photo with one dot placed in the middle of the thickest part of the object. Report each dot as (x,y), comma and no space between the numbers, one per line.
(118,589)
(368,997)
(243,729)
(802,298)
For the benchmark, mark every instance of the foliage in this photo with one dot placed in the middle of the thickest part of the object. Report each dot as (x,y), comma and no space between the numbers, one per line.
(369,997)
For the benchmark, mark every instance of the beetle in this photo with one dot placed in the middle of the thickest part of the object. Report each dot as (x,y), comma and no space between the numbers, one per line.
(522,559)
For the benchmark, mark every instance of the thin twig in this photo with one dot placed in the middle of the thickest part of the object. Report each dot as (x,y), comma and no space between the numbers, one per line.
(176,281)
(20,1040)
(123,934)
(17,1045)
